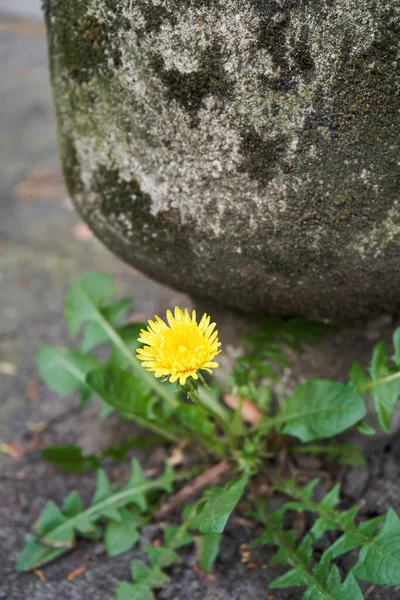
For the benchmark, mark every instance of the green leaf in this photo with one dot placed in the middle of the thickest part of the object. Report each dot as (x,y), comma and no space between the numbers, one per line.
(137,481)
(263,397)
(160,556)
(65,370)
(396,344)
(70,458)
(304,550)
(84,304)
(350,455)
(94,334)
(176,537)
(292,578)
(121,537)
(150,576)
(133,591)
(123,390)
(384,394)
(348,589)
(358,377)
(347,454)
(354,537)
(35,554)
(214,513)
(320,409)
(72,505)
(142,443)
(129,333)
(379,560)
(321,584)
(197,420)
(335,590)
(329,519)
(50,518)
(292,331)
(105,410)
(103,489)
(365,429)
(207,549)
(269,344)
(91,290)
(104,492)
(56,530)
(194,418)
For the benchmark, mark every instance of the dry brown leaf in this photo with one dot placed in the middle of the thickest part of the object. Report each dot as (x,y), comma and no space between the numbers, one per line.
(251,413)
(40,574)
(13,449)
(210,577)
(36,426)
(245,553)
(254,565)
(75,573)
(243,522)
(36,441)
(151,471)
(177,456)
(7,368)
(31,391)
(81,232)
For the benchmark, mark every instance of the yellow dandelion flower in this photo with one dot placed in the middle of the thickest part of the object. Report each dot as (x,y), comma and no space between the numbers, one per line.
(181,348)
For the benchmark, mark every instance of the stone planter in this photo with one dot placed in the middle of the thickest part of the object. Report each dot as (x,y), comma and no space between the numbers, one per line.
(243,151)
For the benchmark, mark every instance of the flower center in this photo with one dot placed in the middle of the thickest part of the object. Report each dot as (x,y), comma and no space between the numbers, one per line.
(181,348)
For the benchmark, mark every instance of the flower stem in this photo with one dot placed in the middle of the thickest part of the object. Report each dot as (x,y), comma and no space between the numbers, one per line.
(207,409)
(158,387)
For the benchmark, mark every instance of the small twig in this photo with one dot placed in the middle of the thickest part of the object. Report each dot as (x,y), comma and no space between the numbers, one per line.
(191,489)
(40,574)
(75,573)
(370,590)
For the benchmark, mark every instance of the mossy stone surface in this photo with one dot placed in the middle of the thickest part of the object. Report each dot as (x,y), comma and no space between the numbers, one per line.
(243,151)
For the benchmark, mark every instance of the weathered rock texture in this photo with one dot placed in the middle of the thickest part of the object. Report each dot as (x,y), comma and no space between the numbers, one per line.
(245,151)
